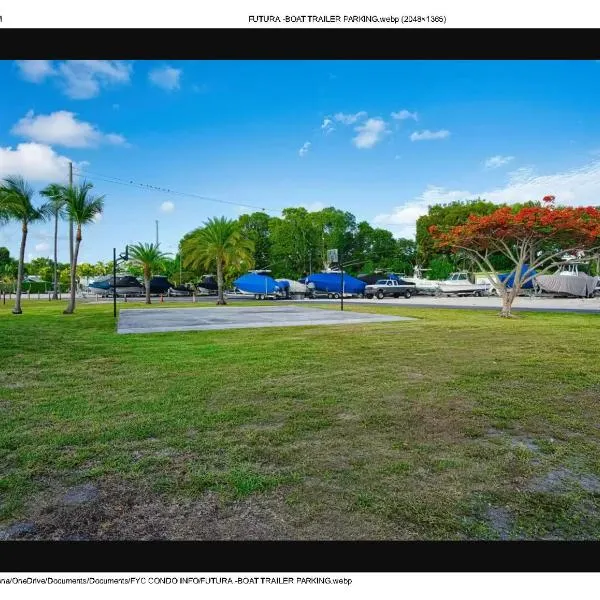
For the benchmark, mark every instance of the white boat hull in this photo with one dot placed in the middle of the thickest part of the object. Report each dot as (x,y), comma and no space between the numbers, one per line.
(463,288)
(295,286)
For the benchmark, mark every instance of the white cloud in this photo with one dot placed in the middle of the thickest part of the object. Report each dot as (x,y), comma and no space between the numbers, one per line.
(97,218)
(116,138)
(42,247)
(167,207)
(82,79)
(304,149)
(165,77)
(63,128)
(349,119)
(79,79)
(404,114)
(575,187)
(37,162)
(417,136)
(35,70)
(370,133)
(327,125)
(520,175)
(497,161)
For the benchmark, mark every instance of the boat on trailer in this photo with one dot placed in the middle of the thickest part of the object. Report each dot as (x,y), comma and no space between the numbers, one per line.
(259,284)
(331,282)
(460,284)
(207,286)
(423,285)
(293,288)
(568,281)
(127,285)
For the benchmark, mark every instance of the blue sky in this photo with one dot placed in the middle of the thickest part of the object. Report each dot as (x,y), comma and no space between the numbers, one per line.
(382,139)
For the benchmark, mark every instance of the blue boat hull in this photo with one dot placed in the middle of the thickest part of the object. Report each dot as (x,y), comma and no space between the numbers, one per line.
(256,284)
(332,283)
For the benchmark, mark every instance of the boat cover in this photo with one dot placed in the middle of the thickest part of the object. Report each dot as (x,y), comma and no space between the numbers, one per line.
(371,278)
(103,283)
(251,283)
(208,282)
(159,284)
(575,285)
(332,282)
(127,281)
(510,281)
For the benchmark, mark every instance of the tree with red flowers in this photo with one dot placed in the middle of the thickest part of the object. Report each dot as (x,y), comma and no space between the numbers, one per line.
(544,231)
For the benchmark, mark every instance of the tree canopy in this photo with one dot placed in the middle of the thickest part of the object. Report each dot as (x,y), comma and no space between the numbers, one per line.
(537,234)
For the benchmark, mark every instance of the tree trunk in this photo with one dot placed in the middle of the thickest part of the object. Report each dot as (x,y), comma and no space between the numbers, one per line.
(508,297)
(71,306)
(221,297)
(55,280)
(147,286)
(17,309)
(71,243)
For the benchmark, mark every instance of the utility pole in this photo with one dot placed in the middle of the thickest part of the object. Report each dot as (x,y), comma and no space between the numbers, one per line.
(157,233)
(115,283)
(122,258)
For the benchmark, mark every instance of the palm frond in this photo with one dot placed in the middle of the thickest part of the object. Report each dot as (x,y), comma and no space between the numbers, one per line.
(16,197)
(218,241)
(147,256)
(81,206)
(56,193)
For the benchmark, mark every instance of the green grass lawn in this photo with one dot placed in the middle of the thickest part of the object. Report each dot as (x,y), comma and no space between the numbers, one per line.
(458,425)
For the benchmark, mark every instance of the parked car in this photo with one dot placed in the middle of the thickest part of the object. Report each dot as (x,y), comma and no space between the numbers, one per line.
(390,287)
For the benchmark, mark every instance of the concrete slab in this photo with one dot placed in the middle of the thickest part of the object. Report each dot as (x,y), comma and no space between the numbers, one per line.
(238,317)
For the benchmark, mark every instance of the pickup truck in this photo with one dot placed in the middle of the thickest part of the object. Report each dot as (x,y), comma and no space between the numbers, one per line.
(390,287)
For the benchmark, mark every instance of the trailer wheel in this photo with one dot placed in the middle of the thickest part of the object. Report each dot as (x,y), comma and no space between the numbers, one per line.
(407,294)
(336,296)
(369,296)
(330,296)
(477,294)
(380,294)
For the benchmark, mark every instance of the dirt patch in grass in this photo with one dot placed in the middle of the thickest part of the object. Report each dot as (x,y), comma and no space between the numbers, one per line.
(500,520)
(114,509)
(563,479)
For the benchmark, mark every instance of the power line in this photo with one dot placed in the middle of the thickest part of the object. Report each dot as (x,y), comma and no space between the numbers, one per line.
(155,188)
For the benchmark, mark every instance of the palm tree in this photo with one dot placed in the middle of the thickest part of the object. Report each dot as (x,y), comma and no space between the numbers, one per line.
(218,243)
(82,207)
(56,193)
(15,204)
(150,259)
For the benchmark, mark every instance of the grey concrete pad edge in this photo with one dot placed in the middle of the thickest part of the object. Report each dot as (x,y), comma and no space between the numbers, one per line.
(260,325)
